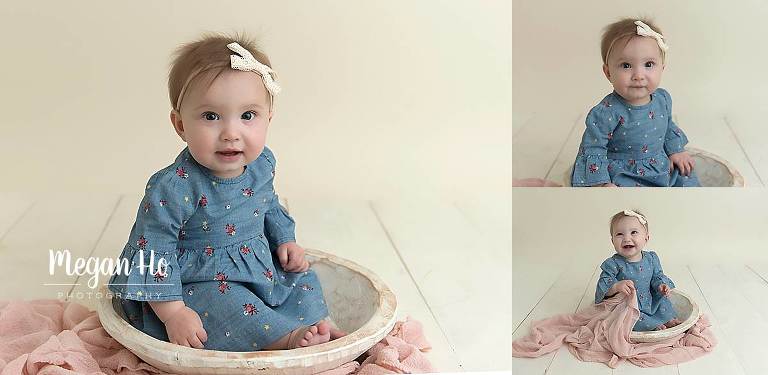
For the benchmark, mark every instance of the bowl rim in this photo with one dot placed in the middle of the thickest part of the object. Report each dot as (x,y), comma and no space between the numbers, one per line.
(381,323)
(670,332)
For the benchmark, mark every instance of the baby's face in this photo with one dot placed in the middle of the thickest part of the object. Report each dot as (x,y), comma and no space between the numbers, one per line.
(635,71)
(225,125)
(629,237)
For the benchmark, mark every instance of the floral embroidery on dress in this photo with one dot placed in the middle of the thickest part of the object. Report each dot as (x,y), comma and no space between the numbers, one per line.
(249,309)
(142,242)
(181,172)
(245,249)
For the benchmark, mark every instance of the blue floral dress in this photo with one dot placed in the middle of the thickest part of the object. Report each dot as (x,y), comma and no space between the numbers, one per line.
(647,274)
(210,242)
(629,145)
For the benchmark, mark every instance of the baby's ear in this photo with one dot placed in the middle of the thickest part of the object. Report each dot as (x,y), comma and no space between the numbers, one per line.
(178,125)
(606,71)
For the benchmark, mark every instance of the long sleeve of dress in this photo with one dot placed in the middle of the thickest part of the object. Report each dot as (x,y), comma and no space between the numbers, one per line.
(610,270)
(674,140)
(659,277)
(591,166)
(279,226)
(167,204)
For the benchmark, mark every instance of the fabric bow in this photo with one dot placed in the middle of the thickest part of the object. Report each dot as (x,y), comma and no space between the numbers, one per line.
(246,62)
(645,30)
(635,214)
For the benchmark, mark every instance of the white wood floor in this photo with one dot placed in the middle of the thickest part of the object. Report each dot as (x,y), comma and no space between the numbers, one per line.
(448,261)
(711,243)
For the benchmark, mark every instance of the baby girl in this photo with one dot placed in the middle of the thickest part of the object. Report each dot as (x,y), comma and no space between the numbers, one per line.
(632,268)
(630,138)
(228,273)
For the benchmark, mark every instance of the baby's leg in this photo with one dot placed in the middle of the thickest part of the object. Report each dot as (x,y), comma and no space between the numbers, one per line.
(672,322)
(304,336)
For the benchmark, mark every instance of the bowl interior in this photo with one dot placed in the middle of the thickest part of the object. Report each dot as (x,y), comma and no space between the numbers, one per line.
(682,306)
(712,172)
(351,298)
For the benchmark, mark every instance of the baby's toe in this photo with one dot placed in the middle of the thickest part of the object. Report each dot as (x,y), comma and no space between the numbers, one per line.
(323,328)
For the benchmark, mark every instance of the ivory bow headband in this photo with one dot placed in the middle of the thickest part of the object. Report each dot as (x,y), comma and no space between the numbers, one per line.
(639,217)
(243,60)
(645,30)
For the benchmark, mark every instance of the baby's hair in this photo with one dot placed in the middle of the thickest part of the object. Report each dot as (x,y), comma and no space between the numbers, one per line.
(202,61)
(621,32)
(621,214)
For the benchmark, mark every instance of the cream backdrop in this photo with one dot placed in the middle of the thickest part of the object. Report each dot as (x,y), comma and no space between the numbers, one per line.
(380,97)
(714,62)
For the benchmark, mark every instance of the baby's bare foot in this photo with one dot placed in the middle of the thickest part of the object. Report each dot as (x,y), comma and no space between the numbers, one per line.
(660,327)
(337,333)
(672,323)
(316,334)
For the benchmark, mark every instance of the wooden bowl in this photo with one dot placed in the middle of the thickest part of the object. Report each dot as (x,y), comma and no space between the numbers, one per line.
(712,170)
(687,311)
(358,302)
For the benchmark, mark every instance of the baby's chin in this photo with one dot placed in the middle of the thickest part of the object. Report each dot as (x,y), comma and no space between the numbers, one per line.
(628,252)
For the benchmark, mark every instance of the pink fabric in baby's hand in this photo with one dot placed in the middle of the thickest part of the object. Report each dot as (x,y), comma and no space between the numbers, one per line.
(600,333)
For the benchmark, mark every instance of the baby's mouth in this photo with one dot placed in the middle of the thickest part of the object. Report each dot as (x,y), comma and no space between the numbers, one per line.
(229,153)
(627,247)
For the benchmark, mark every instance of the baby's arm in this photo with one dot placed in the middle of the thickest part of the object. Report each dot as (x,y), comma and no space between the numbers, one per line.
(608,284)
(280,229)
(154,237)
(675,140)
(591,166)
(182,324)
(660,281)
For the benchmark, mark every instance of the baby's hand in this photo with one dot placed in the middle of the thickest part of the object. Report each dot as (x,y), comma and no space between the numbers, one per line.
(291,257)
(665,289)
(683,161)
(185,328)
(624,286)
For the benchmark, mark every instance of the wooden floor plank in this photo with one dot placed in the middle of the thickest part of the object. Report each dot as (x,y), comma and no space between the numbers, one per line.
(563,166)
(15,205)
(742,324)
(110,245)
(59,222)
(563,298)
(749,130)
(444,253)
(537,144)
(351,230)
(722,360)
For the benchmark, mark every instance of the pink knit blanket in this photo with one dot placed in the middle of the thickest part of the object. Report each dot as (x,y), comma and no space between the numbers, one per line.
(600,333)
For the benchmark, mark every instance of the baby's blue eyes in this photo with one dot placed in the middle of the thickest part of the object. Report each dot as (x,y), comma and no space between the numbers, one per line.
(250,115)
(648,64)
(211,116)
